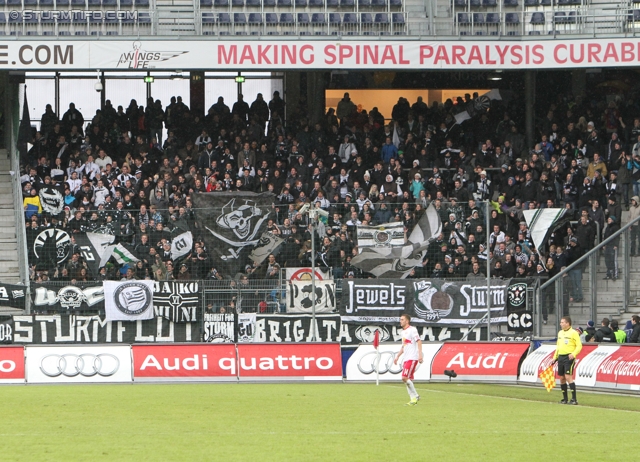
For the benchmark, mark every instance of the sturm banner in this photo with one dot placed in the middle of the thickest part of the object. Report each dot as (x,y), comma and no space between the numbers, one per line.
(47,329)
(177,301)
(12,295)
(300,296)
(433,301)
(519,319)
(219,328)
(69,298)
(231,225)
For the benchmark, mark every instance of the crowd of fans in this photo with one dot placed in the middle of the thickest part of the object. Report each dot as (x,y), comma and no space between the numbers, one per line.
(118,175)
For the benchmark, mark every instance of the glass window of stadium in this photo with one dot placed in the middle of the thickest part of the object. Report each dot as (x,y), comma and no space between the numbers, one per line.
(122,87)
(386,99)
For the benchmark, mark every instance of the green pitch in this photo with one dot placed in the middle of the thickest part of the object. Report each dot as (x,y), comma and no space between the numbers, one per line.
(325,422)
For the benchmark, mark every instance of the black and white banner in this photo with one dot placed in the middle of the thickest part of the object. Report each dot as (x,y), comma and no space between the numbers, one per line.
(52,200)
(177,301)
(44,329)
(68,298)
(51,248)
(128,300)
(92,246)
(519,318)
(12,295)
(300,296)
(304,274)
(181,245)
(386,235)
(268,244)
(232,225)
(298,328)
(246,327)
(6,329)
(219,328)
(430,301)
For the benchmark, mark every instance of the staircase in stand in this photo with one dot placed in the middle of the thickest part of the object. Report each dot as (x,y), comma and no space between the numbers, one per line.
(175,17)
(9,266)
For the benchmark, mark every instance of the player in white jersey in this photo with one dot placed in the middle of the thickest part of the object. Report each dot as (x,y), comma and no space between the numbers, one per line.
(412,349)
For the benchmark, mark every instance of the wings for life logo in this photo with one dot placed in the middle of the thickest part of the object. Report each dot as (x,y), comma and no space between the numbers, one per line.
(132,298)
(139,58)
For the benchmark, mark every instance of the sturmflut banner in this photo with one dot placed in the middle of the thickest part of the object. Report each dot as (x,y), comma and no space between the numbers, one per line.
(430,301)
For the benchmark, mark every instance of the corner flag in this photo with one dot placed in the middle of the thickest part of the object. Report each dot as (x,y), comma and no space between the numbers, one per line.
(376,344)
(548,378)
(376,339)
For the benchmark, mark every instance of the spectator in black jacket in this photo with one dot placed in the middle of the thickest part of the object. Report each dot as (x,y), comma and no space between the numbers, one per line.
(604,334)
(574,251)
(635,335)
(611,249)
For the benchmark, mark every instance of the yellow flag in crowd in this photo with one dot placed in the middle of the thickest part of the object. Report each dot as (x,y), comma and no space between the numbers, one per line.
(548,379)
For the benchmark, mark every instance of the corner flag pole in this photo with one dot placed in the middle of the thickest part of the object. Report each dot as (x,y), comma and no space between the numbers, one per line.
(376,344)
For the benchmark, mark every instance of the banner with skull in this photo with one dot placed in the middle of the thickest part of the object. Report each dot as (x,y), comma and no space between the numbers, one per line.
(232,225)
(71,298)
(429,301)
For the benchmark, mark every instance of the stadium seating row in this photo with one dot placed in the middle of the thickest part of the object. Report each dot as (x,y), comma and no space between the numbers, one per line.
(300,3)
(302,18)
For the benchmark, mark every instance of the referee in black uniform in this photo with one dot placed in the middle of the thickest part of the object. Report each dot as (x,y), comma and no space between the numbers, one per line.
(567,350)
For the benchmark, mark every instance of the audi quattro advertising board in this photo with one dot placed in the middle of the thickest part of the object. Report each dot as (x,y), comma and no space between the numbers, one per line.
(306,361)
(206,362)
(540,359)
(78,364)
(622,368)
(362,363)
(482,361)
(12,364)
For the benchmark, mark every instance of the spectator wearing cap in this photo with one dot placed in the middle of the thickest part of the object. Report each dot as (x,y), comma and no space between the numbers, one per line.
(614,209)
(483,187)
(589,331)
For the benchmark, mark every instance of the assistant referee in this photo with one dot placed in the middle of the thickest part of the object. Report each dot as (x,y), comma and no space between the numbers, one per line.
(568,348)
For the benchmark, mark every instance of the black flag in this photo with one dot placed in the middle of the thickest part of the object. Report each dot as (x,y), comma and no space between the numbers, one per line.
(24,132)
(232,225)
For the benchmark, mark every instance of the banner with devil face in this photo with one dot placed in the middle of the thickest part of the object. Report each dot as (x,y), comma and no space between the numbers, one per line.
(231,225)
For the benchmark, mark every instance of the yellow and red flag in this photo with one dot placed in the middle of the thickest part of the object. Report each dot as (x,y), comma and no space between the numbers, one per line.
(548,378)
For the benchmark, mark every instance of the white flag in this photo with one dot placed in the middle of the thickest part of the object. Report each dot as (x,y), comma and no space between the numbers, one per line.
(128,300)
(181,245)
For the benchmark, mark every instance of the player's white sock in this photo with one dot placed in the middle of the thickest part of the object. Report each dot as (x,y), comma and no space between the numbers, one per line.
(411,389)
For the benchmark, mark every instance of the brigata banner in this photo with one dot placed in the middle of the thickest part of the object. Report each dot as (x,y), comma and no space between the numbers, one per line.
(183,362)
(429,301)
(394,55)
(12,364)
(78,364)
(363,363)
(540,359)
(48,329)
(482,361)
(283,328)
(306,361)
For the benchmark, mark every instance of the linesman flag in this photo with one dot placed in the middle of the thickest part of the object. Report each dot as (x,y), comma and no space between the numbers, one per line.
(548,378)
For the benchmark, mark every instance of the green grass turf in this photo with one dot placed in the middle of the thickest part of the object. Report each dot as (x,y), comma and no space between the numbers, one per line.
(300,422)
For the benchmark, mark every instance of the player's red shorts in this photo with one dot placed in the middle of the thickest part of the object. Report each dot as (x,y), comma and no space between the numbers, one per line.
(408,368)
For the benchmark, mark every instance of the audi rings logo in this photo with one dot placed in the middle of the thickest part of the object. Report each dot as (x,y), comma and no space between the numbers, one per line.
(367,364)
(85,365)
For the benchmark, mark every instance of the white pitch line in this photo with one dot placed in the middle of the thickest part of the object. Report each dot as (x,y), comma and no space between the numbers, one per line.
(515,399)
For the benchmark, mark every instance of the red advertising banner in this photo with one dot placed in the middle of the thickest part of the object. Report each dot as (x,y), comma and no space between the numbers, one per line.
(12,365)
(586,349)
(621,368)
(184,362)
(479,361)
(308,361)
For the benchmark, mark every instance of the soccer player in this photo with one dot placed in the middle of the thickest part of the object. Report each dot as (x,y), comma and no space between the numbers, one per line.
(568,348)
(412,349)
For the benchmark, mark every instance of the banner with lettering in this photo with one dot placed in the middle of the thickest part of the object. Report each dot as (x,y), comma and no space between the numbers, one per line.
(177,301)
(427,301)
(70,298)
